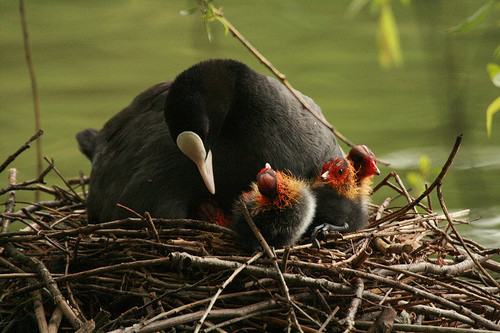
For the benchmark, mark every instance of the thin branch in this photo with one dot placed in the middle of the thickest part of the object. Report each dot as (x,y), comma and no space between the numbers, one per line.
(355,303)
(26,145)
(221,288)
(34,89)
(272,255)
(422,293)
(431,187)
(450,223)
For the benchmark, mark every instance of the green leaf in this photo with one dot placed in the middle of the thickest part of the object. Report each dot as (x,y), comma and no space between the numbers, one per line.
(388,38)
(490,111)
(413,178)
(424,164)
(494,72)
(475,19)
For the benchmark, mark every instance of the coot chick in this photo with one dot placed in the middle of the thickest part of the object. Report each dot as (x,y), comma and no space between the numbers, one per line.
(339,205)
(220,114)
(364,163)
(343,192)
(281,206)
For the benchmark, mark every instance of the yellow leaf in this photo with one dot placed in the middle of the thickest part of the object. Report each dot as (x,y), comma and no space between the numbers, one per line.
(490,111)
(494,72)
(388,38)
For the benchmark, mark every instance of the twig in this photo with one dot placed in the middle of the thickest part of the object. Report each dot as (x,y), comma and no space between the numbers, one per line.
(26,145)
(37,265)
(327,321)
(23,185)
(422,328)
(48,281)
(431,187)
(450,223)
(221,288)
(11,201)
(384,322)
(355,303)
(422,293)
(39,311)
(272,255)
(249,310)
(151,226)
(34,89)
(429,269)
(55,320)
(51,162)
(238,319)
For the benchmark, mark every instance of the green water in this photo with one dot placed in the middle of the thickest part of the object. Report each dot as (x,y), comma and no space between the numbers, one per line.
(93,57)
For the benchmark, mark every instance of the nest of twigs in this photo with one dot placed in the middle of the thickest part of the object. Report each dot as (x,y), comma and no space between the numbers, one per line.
(409,270)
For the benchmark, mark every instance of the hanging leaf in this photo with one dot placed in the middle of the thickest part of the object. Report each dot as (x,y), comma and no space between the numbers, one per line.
(494,72)
(388,38)
(490,111)
(475,19)
(424,164)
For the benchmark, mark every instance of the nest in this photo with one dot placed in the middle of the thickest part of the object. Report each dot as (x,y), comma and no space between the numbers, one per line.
(409,270)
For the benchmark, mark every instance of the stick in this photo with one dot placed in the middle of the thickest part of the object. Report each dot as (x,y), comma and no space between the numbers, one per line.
(39,312)
(11,201)
(355,303)
(221,288)
(327,321)
(422,293)
(34,89)
(55,320)
(431,187)
(272,255)
(26,145)
(36,264)
(450,223)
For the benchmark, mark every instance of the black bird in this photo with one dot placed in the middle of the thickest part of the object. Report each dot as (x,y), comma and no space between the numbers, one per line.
(225,117)
(281,206)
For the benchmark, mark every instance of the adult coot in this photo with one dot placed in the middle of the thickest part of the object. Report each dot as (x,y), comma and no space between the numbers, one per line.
(220,114)
(281,206)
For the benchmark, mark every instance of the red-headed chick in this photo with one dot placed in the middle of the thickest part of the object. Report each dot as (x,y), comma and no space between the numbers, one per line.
(339,204)
(364,163)
(281,206)
(343,192)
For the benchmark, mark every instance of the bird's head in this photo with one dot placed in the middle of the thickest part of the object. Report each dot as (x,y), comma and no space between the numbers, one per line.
(267,181)
(196,107)
(339,174)
(363,161)
(336,171)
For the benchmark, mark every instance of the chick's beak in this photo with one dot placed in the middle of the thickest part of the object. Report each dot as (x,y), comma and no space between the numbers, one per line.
(192,146)
(376,170)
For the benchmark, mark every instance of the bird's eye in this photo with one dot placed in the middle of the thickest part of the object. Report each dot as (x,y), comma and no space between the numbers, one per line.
(341,171)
